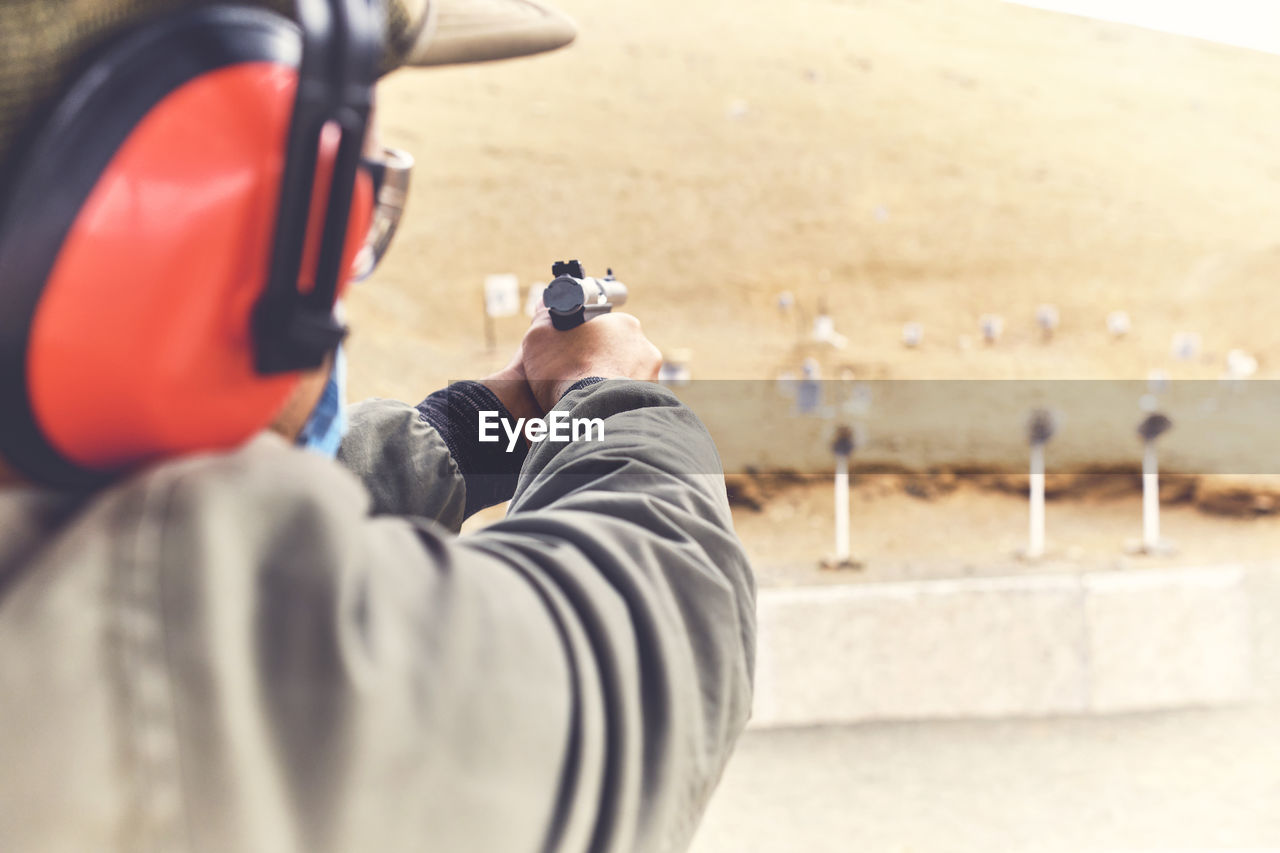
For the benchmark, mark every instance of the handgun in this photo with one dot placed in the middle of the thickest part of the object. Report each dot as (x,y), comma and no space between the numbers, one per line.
(573,298)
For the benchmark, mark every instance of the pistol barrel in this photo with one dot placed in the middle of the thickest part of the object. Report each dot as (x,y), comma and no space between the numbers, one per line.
(573,301)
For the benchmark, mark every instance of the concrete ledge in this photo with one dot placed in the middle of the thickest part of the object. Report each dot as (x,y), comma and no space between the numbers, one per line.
(1004,647)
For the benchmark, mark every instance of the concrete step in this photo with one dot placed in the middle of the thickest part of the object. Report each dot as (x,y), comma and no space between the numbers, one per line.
(1024,646)
(1204,779)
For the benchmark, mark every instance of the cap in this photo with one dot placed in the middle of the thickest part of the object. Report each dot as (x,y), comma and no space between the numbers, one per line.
(41,41)
(457,31)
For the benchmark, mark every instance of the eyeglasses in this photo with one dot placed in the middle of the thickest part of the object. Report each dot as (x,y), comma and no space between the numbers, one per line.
(390,172)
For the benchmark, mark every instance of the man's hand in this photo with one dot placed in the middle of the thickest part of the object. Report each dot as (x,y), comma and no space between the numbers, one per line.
(511,387)
(610,346)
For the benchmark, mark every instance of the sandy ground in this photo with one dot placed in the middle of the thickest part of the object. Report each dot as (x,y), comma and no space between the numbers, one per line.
(925,161)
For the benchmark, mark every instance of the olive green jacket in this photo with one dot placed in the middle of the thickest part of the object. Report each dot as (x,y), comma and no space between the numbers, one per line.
(257,651)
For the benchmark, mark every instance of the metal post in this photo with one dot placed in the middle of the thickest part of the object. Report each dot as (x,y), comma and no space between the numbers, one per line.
(842,448)
(1035,543)
(1150,499)
(842,509)
(1151,428)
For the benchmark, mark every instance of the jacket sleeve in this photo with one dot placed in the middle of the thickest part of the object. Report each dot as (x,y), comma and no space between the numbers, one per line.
(404,463)
(630,542)
(572,678)
(427,460)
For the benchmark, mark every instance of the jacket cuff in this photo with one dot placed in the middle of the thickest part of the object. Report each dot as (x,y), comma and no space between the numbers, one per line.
(489,471)
(580,384)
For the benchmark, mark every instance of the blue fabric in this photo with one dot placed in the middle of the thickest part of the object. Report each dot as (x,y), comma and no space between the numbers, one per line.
(325,429)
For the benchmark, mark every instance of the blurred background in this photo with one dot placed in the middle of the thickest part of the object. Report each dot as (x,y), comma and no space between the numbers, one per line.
(914,161)
(966,190)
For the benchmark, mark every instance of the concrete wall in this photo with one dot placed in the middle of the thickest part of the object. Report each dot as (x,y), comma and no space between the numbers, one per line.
(1035,645)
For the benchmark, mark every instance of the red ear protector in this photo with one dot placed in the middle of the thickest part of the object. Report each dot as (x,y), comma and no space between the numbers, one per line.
(175,236)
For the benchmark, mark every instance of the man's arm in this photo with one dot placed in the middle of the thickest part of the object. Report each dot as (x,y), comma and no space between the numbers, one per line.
(572,678)
(632,541)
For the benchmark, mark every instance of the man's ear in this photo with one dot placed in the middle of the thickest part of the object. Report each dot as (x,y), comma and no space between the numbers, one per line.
(302,402)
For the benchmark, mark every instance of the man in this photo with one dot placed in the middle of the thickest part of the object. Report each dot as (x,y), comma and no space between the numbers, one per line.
(238,645)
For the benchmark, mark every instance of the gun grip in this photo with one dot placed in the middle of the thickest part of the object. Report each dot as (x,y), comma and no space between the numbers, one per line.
(565,322)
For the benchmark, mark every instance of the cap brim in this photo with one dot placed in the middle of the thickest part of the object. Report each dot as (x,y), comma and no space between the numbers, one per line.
(459,31)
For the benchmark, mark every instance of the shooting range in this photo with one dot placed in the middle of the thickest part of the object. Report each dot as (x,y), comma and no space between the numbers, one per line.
(801,318)
(1030,235)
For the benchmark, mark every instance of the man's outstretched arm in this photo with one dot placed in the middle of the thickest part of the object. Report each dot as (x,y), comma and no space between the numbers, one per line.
(632,543)
(571,678)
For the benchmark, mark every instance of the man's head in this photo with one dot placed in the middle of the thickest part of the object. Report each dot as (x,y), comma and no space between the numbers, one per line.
(178,214)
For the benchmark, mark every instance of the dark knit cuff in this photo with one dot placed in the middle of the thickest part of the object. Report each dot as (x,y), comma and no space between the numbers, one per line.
(582,383)
(488,469)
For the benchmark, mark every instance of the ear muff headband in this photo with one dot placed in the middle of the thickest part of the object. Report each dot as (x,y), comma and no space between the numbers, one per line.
(295,330)
(83,393)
